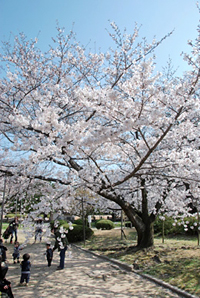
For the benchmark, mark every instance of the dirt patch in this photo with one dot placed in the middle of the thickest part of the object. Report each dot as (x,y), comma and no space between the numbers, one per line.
(84,275)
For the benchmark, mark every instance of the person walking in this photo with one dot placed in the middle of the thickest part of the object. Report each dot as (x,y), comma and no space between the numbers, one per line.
(38,230)
(13,228)
(61,243)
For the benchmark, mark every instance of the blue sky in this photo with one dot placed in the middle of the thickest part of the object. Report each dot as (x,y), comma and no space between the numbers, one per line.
(91,18)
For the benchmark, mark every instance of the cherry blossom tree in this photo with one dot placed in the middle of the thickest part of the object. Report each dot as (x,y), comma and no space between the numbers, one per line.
(105,122)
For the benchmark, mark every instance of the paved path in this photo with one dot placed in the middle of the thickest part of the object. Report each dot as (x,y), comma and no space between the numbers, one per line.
(85,275)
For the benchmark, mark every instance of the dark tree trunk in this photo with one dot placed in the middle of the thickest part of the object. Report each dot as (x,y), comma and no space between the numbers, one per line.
(145,236)
(140,219)
(143,225)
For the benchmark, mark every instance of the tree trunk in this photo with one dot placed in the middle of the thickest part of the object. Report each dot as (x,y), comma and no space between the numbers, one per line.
(140,219)
(143,225)
(145,236)
(51,216)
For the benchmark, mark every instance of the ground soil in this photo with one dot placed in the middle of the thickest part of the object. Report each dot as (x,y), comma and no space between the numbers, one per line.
(85,275)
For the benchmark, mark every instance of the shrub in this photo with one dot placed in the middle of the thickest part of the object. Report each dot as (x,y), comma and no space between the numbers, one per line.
(79,221)
(172,227)
(60,222)
(189,225)
(104,224)
(76,234)
(168,225)
(13,215)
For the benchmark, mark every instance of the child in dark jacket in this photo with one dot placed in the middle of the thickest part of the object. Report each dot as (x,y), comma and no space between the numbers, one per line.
(16,252)
(25,269)
(49,254)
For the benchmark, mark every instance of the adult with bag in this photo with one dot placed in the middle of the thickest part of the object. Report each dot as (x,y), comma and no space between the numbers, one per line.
(61,243)
(13,229)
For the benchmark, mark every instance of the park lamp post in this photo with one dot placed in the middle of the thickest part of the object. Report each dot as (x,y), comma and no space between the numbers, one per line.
(2,205)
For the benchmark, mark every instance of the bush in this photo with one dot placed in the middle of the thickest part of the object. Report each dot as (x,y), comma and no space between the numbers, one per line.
(170,227)
(76,234)
(60,222)
(191,227)
(79,222)
(11,216)
(104,224)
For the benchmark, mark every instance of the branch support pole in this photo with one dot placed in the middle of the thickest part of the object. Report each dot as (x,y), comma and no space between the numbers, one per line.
(2,206)
(121,224)
(83,218)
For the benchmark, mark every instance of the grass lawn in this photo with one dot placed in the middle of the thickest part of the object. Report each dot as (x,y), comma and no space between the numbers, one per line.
(176,261)
(4,225)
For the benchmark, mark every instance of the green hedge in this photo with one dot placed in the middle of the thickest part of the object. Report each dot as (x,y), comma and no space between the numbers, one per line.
(168,226)
(76,234)
(13,215)
(79,221)
(104,224)
(172,227)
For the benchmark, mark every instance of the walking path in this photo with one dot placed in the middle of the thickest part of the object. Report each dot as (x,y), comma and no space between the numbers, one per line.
(85,275)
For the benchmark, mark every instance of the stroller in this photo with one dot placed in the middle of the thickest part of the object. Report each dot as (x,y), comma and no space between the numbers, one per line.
(7,232)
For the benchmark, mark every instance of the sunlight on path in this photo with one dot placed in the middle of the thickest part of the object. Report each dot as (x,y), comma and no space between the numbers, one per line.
(85,275)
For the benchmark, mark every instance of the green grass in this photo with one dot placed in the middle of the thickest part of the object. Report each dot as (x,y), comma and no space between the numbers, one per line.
(4,226)
(183,273)
(117,224)
(108,239)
